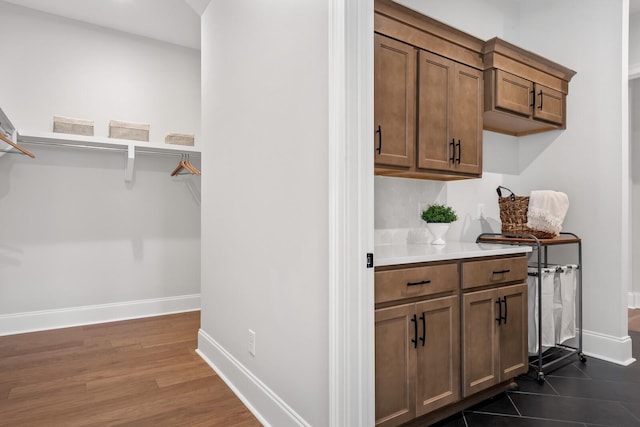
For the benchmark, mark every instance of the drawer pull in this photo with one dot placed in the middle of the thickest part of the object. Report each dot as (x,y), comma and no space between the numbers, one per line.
(452,159)
(414,320)
(424,328)
(505,310)
(500,317)
(423,282)
(379,132)
(501,271)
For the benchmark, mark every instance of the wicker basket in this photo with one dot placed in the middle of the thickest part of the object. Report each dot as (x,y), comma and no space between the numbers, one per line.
(513,215)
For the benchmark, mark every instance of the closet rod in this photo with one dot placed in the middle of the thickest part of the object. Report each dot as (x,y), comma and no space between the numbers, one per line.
(122,149)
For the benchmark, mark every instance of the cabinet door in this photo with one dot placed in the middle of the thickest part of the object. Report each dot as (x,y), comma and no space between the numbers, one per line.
(394,102)
(438,364)
(395,365)
(514,357)
(549,104)
(480,360)
(513,93)
(435,146)
(466,119)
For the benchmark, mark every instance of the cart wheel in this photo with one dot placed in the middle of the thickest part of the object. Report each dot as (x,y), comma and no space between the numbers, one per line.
(583,358)
(540,378)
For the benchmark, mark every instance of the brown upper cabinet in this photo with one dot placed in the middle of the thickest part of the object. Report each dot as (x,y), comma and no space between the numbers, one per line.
(436,88)
(428,102)
(524,92)
(395,103)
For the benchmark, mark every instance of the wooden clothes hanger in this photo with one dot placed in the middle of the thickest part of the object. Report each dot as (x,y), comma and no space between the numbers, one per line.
(185,164)
(16,146)
(191,167)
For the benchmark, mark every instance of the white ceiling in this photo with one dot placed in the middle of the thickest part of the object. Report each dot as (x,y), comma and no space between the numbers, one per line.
(173,21)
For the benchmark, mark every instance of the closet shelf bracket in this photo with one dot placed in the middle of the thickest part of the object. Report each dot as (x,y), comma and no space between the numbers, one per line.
(131,158)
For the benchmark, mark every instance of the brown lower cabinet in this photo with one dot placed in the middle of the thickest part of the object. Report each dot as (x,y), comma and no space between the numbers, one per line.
(494,336)
(417,359)
(447,334)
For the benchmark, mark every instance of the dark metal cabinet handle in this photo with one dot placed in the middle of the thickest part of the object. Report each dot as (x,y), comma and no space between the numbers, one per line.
(424,328)
(459,152)
(533,98)
(505,310)
(379,132)
(414,320)
(423,282)
(540,95)
(452,144)
(501,271)
(499,318)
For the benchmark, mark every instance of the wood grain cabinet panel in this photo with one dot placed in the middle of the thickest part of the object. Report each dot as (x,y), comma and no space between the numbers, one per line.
(494,272)
(438,343)
(417,359)
(514,356)
(394,103)
(449,115)
(395,365)
(549,104)
(466,123)
(494,336)
(411,282)
(513,93)
(448,99)
(438,362)
(524,92)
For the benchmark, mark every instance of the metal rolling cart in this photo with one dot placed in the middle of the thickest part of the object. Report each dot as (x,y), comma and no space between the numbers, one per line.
(560,352)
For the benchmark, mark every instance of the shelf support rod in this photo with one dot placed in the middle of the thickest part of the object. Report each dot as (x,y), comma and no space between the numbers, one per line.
(131,157)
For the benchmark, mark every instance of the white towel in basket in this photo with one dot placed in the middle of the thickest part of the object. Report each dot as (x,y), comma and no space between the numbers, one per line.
(547,210)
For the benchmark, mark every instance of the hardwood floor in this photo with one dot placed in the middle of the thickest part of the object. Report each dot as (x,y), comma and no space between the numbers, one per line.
(634,319)
(142,372)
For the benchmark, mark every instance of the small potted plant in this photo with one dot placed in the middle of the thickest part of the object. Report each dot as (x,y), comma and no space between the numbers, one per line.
(438,219)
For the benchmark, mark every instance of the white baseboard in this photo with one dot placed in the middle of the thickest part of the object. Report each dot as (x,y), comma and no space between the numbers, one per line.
(606,347)
(634,299)
(76,316)
(266,405)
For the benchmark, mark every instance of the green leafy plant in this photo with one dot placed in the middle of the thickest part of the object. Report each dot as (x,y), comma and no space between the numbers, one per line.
(439,213)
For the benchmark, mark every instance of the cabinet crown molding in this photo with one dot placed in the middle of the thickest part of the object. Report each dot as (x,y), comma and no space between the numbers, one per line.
(409,26)
(503,48)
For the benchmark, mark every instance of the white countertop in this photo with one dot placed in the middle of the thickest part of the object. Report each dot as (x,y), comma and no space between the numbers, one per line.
(393,254)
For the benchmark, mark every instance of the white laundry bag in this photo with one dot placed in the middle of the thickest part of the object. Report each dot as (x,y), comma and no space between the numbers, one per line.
(564,302)
(546,323)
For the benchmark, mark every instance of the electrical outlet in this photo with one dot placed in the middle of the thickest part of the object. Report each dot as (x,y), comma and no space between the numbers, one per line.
(252,343)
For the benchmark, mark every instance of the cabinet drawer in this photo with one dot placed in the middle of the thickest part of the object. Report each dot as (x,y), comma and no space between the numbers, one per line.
(391,285)
(494,271)
(513,93)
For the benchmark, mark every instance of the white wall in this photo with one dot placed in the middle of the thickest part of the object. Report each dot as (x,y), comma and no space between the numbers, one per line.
(73,234)
(63,67)
(634,142)
(265,204)
(586,160)
(634,44)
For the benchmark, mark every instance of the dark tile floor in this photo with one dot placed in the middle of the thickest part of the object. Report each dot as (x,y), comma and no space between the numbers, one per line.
(595,393)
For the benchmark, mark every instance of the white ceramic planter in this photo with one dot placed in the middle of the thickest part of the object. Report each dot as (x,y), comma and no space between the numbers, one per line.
(438,231)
